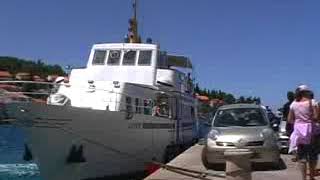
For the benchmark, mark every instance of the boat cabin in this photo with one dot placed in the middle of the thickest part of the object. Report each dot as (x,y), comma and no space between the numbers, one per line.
(134,63)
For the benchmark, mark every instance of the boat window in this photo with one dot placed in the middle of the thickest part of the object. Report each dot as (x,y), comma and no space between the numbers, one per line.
(114,57)
(138,108)
(145,58)
(161,107)
(186,111)
(129,58)
(193,115)
(128,104)
(147,107)
(99,57)
(162,60)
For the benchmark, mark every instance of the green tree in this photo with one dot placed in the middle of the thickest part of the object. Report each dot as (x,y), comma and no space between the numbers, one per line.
(15,65)
(197,88)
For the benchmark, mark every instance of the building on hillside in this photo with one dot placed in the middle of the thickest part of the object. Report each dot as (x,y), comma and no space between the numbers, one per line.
(37,78)
(216,102)
(203,99)
(52,77)
(10,87)
(23,76)
(5,75)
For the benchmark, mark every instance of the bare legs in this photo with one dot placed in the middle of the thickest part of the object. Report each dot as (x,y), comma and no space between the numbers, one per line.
(312,169)
(303,168)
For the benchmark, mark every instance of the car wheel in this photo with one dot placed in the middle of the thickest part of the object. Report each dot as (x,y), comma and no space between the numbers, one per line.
(204,159)
(284,151)
(277,165)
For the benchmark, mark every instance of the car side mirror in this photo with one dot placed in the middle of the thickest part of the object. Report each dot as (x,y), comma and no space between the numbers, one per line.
(275,126)
(207,124)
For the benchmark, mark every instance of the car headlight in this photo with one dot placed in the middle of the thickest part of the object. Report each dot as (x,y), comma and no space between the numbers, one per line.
(269,136)
(213,135)
(57,99)
(267,133)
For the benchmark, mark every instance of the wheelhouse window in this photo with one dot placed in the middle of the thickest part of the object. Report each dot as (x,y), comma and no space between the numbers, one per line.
(145,58)
(99,57)
(129,58)
(114,57)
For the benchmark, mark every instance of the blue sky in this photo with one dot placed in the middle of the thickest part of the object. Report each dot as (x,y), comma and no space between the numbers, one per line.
(247,47)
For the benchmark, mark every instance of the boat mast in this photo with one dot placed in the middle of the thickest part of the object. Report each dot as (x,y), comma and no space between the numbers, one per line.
(133,25)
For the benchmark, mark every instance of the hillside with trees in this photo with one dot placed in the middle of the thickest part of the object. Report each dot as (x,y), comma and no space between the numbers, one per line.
(208,110)
(15,65)
(226,97)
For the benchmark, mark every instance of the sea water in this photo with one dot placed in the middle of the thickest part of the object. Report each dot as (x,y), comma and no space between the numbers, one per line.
(12,165)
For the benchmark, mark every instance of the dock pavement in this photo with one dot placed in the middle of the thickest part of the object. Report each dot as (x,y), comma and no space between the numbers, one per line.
(191,159)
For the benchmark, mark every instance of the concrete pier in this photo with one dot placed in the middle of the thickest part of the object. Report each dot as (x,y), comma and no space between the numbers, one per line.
(238,165)
(191,159)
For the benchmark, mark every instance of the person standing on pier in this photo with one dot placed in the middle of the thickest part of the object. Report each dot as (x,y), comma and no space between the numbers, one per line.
(304,114)
(286,109)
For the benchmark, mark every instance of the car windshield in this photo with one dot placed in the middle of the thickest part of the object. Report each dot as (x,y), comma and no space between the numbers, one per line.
(239,117)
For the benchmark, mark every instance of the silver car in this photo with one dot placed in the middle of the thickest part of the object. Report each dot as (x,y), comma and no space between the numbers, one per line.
(243,126)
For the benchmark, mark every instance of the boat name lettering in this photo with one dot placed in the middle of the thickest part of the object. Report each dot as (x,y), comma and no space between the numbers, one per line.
(151,126)
(135,125)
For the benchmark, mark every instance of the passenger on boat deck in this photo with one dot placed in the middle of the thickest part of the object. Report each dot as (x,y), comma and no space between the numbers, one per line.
(156,110)
(164,109)
(189,83)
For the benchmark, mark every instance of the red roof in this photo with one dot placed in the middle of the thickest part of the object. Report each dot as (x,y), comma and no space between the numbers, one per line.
(10,87)
(37,78)
(203,98)
(216,102)
(52,77)
(5,74)
(23,76)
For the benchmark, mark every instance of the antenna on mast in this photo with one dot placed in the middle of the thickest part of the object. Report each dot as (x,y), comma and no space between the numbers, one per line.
(133,25)
(134,6)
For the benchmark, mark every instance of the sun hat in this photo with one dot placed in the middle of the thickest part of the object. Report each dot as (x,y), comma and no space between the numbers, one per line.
(303,88)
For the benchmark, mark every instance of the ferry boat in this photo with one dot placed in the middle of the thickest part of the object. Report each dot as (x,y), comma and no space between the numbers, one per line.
(133,103)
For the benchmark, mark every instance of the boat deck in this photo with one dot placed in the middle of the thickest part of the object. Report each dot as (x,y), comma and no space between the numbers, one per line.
(191,159)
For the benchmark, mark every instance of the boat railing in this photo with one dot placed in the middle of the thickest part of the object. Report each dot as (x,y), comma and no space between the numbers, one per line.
(39,94)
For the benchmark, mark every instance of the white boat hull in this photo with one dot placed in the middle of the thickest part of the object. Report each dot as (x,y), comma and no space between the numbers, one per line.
(114,143)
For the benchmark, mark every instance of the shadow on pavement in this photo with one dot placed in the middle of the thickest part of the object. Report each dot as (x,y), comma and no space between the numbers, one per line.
(269,166)
(257,166)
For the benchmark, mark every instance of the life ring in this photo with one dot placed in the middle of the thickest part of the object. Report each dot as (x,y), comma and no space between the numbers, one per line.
(129,115)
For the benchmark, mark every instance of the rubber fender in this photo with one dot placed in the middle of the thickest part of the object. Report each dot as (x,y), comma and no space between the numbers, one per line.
(27,155)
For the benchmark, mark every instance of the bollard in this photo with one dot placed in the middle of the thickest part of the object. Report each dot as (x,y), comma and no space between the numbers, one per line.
(238,165)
